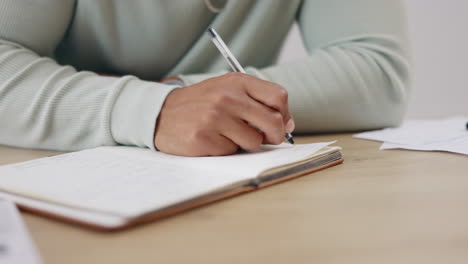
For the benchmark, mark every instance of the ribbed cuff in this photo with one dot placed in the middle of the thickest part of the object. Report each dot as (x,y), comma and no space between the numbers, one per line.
(190,79)
(257,73)
(136,110)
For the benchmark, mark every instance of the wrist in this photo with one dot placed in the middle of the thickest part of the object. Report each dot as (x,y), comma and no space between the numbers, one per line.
(136,110)
(173,81)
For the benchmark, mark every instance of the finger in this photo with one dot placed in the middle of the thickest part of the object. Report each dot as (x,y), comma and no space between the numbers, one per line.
(270,94)
(241,133)
(264,118)
(220,145)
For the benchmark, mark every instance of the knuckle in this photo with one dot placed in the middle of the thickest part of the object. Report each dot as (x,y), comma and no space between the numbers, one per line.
(276,120)
(197,135)
(281,96)
(234,78)
(222,99)
(234,75)
(211,117)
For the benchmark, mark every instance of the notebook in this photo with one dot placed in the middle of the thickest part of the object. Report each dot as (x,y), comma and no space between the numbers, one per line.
(110,188)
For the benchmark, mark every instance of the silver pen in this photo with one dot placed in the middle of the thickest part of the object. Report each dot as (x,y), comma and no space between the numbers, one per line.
(234,63)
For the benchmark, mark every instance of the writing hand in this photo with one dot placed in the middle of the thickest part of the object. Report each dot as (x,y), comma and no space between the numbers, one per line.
(217,116)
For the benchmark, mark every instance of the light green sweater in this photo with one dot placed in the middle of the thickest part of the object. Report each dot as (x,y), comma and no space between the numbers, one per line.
(355,76)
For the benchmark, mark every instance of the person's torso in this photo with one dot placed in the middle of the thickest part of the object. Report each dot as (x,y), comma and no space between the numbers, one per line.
(156,38)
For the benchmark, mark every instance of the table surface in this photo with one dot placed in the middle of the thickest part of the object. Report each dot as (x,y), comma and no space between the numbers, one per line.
(393,206)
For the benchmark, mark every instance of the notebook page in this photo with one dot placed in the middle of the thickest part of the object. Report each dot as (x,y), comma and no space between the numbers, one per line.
(128,182)
(246,164)
(100,180)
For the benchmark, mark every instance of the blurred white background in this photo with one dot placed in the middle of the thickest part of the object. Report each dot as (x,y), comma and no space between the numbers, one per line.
(438,32)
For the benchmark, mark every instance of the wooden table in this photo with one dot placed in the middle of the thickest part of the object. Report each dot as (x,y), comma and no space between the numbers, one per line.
(389,206)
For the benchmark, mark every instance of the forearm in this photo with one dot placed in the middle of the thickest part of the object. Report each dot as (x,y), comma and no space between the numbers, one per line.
(48,106)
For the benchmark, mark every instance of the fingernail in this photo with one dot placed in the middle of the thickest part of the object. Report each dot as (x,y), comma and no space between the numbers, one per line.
(290,126)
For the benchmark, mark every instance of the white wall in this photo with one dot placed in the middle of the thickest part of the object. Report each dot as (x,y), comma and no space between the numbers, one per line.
(439,37)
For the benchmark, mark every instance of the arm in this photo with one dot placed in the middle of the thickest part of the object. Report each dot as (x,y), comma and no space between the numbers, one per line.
(49,106)
(356,75)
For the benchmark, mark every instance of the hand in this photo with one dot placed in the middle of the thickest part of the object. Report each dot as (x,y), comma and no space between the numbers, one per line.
(217,116)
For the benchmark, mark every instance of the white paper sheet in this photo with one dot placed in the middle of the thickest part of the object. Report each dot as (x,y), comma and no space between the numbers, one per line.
(16,247)
(127,182)
(427,135)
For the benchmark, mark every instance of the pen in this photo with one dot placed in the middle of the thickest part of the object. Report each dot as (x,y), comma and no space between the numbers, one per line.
(233,62)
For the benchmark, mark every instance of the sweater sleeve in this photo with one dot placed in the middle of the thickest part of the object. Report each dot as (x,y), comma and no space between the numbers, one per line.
(356,74)
(49,106)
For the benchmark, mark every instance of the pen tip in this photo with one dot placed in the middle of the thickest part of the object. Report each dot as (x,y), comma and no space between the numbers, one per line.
(290,138)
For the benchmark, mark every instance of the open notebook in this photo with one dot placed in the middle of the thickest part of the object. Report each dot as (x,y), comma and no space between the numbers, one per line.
(115,187)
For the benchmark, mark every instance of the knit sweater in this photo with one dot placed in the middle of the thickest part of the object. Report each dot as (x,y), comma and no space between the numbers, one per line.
(356,74)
